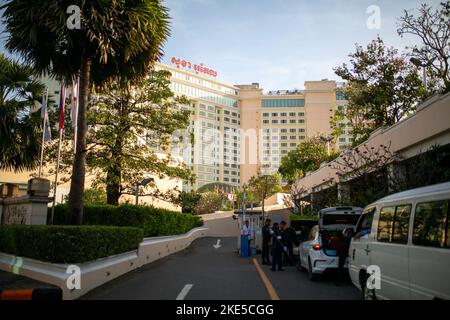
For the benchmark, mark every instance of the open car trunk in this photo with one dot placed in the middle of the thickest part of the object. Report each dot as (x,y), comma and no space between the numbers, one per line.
(331,228)
(331,241)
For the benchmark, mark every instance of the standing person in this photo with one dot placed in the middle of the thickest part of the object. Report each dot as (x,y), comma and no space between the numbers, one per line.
(266,236)
(277,248)
(289,241)
(343,253)
(247,232)
(284,254)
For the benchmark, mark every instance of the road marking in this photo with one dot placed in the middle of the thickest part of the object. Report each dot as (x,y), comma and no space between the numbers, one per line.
(184,292)
(217,245)
(270,289)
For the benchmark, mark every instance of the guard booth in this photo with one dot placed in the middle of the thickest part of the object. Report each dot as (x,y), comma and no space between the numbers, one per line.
(255,222)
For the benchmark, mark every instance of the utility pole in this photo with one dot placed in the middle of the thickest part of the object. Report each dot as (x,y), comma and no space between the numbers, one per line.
(244,198)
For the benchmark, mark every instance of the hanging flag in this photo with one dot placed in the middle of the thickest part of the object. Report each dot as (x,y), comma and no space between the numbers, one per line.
(74,103)
(62,102)
(47,136)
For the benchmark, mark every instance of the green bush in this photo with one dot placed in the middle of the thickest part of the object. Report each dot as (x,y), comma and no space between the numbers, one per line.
(68,244)
(154,221)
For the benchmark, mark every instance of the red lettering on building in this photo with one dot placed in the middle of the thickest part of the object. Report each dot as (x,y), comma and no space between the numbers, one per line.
(197,68)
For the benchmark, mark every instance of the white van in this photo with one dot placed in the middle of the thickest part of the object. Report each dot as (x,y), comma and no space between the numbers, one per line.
(407,236)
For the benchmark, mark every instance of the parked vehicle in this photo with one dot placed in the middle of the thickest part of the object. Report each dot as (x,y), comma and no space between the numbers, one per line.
(407,236)
(320,250)
(302,229)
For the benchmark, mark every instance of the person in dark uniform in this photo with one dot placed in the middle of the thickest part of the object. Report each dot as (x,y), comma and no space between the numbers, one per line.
(343,253)
(266,236)
(289,241)
(277,248)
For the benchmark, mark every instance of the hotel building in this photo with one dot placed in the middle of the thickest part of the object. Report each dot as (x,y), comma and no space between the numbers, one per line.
(239,129)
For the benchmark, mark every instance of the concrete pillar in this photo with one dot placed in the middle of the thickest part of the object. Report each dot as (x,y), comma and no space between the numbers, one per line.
(29,209)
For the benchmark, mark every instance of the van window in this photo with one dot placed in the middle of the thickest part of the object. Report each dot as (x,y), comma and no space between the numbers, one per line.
(385,223)
(364,225)
(401,224)
(431,225)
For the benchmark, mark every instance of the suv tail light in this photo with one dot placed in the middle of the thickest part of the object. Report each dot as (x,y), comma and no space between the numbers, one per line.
(317,247)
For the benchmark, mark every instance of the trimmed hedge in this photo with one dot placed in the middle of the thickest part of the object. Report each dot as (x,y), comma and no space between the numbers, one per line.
(68,244)
(154,221)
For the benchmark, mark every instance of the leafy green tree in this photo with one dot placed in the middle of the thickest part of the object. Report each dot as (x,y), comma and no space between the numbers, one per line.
(20,128)
(263,186)
(188,201)
(209,202)
(130,127)
(116,38)
(382,88)
(432,26)
(306,157)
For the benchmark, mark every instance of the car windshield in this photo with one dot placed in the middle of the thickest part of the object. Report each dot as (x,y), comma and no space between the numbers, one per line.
(330,219)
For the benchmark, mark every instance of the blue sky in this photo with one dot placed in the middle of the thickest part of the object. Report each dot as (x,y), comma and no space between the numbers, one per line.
(278,43)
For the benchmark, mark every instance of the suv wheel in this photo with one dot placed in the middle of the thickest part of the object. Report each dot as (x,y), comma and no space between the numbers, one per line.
(367,294)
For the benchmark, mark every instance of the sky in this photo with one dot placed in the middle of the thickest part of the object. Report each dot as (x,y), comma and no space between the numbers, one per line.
(278,43)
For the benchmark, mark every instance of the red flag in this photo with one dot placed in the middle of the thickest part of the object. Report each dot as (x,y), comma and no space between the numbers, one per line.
(62,102)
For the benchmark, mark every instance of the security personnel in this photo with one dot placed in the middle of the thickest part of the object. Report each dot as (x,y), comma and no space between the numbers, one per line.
(289,236)
(277,248)
(266,236)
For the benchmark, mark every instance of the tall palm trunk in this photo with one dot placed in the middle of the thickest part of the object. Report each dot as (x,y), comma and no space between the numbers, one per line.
(76,196)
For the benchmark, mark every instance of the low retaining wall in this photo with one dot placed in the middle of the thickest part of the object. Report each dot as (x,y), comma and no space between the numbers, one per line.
(97,273)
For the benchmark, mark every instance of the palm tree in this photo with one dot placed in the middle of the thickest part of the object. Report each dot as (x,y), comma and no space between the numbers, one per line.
(20,128)
(118,38)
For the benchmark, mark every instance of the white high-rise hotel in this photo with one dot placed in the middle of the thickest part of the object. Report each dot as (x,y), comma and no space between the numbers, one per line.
(237,129)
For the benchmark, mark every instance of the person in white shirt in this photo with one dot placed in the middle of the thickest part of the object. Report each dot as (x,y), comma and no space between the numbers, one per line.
(247,231)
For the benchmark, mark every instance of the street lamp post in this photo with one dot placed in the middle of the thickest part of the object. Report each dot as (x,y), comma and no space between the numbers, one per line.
(418,63)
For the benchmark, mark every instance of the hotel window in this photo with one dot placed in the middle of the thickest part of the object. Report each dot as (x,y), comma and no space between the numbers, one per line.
(266,145)
(266,121)
(274,114)
(293,137)
(302,137)
(265,114)
(283,130)
(293,130)
(275,159)
(342,139)
(292,114)
(227,112)
(283,121)
(234,114)
(274,137)
(275,145)
(301,114)
(301,130)
(284,137)
(283,114)
(301,121)
(275,121)
(292,121)
(266,130)
(275,130)
(293,144)
(284,144)
(284,151)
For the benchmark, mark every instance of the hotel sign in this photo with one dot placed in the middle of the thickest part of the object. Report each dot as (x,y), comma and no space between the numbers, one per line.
(197,68)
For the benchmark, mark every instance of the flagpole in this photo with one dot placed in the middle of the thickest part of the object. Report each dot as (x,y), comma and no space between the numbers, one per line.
(61,129)
(56,175)
(43,133)
(75,125)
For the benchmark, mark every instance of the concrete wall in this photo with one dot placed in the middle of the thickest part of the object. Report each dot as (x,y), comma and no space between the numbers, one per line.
(221,224)
(97,273)
(415,134)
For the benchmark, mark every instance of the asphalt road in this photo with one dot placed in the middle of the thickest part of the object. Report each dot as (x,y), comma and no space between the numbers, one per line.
(203,273)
